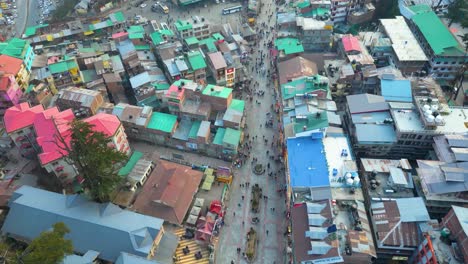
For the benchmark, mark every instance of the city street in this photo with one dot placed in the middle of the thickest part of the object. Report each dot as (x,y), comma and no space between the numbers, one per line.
(272,222)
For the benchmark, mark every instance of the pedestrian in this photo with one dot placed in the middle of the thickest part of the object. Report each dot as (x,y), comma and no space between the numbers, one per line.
(234,213)
(267,232)
(242,197)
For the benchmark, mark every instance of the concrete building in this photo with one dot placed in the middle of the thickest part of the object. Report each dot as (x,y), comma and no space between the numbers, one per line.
(217,65)
(363,13)
(83,102)
(191,66)
(15,67)
(63,73)
(20,49)
(456,223)
(315,34)
(445,54)
(341,9)
(198,27)
(43,132)
(407,54)
(10,92)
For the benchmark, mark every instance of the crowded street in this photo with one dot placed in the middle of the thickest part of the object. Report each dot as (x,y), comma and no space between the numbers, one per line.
(261,146)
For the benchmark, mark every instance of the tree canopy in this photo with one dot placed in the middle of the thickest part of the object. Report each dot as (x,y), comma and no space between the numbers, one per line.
(457,11)
(96,160)
(49,247)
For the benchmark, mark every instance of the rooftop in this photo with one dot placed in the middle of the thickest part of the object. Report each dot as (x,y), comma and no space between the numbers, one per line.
(462,215)
(217,91)
(351,43)
(104,123)
(15,47)
(364,103)
(196,59)
(396,222)
(20,116)
(289,45)
(310,122)
(305,85)
(404,43)
(217,60)
(438,36)
(182,25)
(439,178)
(84,96)
(168,192)
(375,133)
(396,90)
(294,68)
(232,137)
(308,166)
(163,122)
(92,225)
(191,41)
(62,66)
(9,64)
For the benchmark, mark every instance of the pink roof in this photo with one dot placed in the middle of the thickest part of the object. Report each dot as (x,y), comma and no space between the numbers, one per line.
(119,34)
(218,60)
(351,43)
(174,90)
(5,82)
(9,64)
(50,125)
(20,116)
(105,123)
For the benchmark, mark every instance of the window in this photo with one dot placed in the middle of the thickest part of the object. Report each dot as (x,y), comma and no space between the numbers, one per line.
(419,137)
(404,136)
(442,69)
(453,62)
(437,62)
(445,62)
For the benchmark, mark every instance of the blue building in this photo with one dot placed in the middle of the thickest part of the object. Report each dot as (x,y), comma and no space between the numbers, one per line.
(102,228)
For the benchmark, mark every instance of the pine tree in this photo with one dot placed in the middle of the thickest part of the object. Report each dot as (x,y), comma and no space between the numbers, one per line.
(97,162)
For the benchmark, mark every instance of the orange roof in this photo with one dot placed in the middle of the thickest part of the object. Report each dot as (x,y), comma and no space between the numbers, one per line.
(20,116)
(169,191)
(9,64)
(105,123)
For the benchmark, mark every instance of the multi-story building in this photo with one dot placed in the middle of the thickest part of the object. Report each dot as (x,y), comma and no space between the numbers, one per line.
(315,34)
(363,13)
(407,55)
(400,130)
(217,65)
(10,92)
(191,66)
(15,67)
(456,221)
(445,54)
(341,9)
(45,133)
(20,49)
(83,102)
(63,73)
(184,29)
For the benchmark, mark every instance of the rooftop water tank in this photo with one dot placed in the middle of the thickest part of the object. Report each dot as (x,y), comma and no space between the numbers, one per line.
(430,118)
(349,181)
(426,107)
(348,175)
(356,181)
(428,113)
(435,107)
(439,119)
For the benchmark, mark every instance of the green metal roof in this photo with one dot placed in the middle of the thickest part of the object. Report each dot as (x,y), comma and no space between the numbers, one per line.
(191,41)
(196,60)
(417,9)
(29,89)
(14,47)
(304,85)
(31,31)
(136,35)
(136,29)
(194,129)
(238,105)
(157,38)
(317,12)
(125,170)
(303,4)
(218,36)
(63,66)
(167,32)
(210,44)
(118,16)
(223,93)
(289,45)
(232,137)
(218,139)
(142,47)
(312,122)
(162,121)
(182,25)
(436,33)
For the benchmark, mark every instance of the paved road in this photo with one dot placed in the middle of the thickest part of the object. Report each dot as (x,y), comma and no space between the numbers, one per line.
(272,244)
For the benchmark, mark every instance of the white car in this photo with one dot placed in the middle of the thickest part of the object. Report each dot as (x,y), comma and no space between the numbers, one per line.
(143,5)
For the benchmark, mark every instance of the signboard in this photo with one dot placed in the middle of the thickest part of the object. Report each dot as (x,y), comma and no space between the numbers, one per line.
(328,260)
(230,77)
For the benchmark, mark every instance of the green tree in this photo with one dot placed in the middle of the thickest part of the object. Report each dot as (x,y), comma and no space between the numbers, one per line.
(50,247)
(457,11)
(464,38)
(387,9)
(97,162)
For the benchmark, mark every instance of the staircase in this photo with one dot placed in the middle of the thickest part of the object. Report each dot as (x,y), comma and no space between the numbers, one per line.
(194,248)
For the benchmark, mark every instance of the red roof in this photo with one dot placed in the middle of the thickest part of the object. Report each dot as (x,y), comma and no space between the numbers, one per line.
(169,191)
(50,126)
(119,34)
(4,82)
(351,43)
(105,123)
(173,91)
(9,64)
(20,116)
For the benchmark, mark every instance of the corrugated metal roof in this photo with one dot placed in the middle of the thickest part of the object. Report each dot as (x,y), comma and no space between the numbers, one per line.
(91,225)
(412,209)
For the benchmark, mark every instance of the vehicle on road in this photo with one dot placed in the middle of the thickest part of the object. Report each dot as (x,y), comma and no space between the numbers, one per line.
(160,7)
(143,5)
(230,10)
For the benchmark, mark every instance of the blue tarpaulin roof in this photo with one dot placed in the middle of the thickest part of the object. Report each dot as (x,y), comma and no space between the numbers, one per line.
(307,162)
(396,90)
